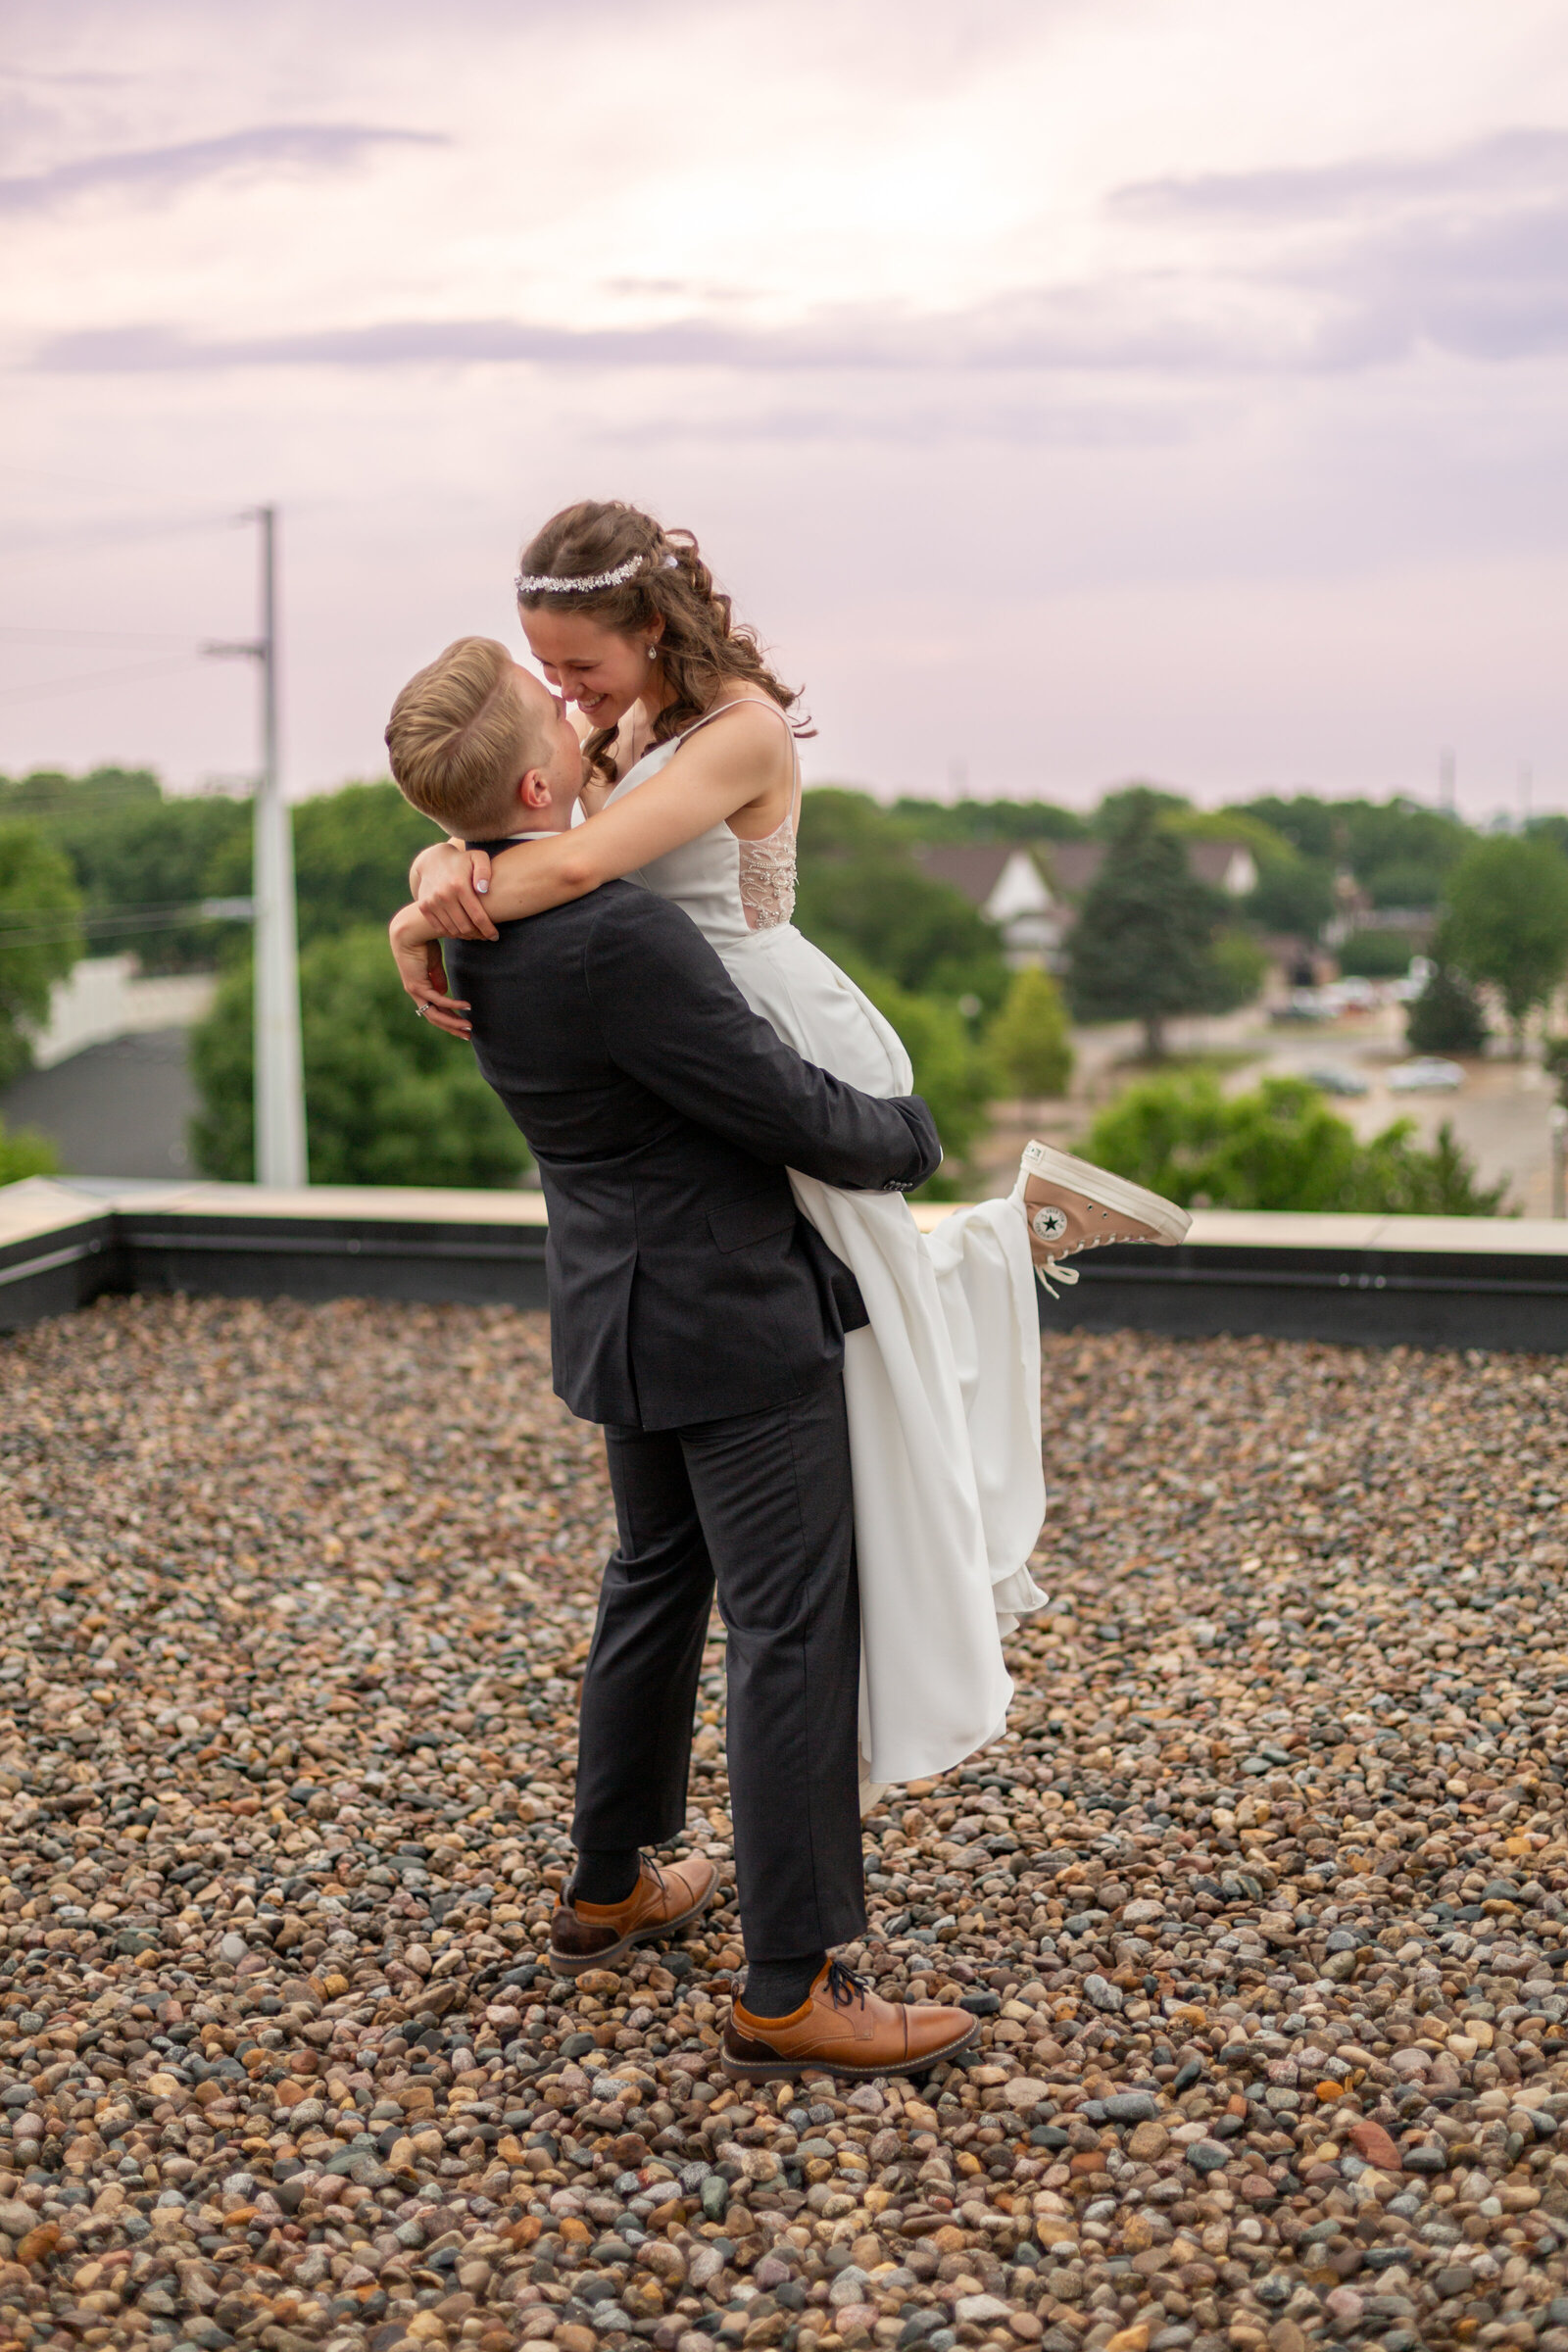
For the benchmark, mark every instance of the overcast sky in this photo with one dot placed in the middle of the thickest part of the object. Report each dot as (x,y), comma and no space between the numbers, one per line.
(1069,391)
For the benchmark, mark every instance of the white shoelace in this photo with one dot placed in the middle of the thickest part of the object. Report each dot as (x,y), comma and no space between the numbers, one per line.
(1049,1276)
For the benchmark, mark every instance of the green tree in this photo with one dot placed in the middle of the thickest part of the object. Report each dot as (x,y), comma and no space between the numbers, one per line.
(1028,1042)
(132,851)
(1293,895)
(1447,1017)
(987,821)
(40,934)
(1507,922)
(862,897)
(1238,968)
(132,848)
(26,1152)
(1110,818)
(1399,851)
(1551,828)
(388,1099)
(351,853)
(1142,947)
(1310,825)
(1279,1147)
(165,857)
(951,1071)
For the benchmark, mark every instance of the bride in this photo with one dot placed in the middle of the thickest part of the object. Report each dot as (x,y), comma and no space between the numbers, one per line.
(695,790)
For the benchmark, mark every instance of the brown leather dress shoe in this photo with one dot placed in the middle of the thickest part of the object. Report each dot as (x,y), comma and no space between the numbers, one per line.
(842,2028)
(598,1935)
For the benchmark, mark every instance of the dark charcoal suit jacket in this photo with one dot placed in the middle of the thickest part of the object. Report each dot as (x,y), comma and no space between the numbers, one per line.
(684,1285)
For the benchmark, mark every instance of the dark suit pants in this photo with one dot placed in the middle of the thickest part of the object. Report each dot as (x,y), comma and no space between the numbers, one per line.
(760,1506)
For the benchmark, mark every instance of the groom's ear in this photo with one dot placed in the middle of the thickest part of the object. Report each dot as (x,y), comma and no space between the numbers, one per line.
(533,790)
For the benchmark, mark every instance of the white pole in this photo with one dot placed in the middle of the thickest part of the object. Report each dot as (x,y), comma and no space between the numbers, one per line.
(280,1157)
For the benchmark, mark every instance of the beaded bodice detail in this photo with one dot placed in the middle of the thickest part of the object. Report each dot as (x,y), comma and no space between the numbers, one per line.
(767,878)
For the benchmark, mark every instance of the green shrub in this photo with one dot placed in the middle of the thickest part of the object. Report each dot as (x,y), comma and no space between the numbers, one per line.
(388,1099)
(26,1152)
(1376,954)
(1279,1147)
(1028,1040)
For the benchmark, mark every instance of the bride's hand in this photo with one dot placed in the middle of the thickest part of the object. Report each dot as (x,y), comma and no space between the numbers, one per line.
(449,886)
(422,973)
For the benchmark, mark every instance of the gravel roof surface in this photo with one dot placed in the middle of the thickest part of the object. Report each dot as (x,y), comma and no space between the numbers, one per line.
(1261,1898)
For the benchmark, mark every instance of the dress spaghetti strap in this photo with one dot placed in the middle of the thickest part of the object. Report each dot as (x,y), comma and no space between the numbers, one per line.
(762,703)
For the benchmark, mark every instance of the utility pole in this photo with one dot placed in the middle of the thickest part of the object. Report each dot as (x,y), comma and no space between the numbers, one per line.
(279,1059)
(1446,782)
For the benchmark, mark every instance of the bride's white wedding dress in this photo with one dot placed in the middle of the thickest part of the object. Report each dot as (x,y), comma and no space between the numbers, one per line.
(943,1389)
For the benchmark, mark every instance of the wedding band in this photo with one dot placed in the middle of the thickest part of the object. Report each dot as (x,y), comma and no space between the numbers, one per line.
(419,1012)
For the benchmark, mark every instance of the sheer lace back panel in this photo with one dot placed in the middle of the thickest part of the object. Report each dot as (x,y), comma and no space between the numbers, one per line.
(766,867)
(767,877)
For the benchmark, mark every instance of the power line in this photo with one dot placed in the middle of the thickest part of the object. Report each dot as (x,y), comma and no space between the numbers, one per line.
(125,922)
(135,909)
(93,677)
(99,636)
(38,545)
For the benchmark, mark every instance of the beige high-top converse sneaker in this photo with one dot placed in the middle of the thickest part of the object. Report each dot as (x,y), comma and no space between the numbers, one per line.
(1070,1206)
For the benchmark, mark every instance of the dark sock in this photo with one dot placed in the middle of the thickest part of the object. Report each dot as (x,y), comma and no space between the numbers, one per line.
(777,1987)
(604,1874)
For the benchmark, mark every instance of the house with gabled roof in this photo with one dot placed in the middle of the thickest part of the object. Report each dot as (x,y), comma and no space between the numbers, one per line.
(1031,890)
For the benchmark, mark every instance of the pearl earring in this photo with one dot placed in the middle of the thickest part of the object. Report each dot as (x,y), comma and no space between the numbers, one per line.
(653,652)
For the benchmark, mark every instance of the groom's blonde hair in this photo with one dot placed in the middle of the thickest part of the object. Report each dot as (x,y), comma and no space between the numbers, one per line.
(459,738)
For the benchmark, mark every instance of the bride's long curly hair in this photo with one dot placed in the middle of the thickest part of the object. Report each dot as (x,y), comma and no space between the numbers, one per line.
(703,643)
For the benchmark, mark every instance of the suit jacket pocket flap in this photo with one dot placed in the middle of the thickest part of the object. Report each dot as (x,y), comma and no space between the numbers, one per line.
(739,1223)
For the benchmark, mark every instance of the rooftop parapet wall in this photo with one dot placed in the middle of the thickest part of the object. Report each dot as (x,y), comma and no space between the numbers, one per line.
(1434,1282)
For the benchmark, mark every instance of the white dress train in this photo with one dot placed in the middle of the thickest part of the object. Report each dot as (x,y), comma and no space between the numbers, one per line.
(943,1387)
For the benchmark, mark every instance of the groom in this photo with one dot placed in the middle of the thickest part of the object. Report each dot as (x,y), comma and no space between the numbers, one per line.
(701,1319)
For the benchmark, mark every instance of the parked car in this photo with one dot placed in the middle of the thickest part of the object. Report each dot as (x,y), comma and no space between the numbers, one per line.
(1301,1004)
(1335,1079)
(1327,1003)
(1427,1075)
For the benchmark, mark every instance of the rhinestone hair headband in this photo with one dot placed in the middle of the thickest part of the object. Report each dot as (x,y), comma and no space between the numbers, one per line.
(535,583)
